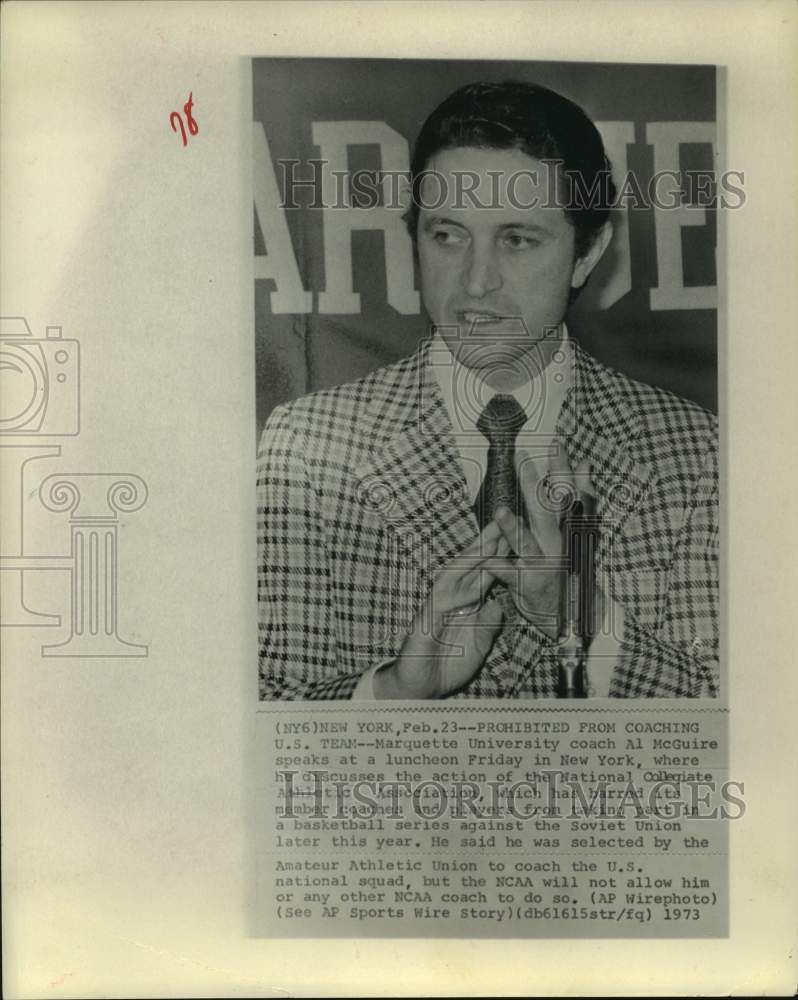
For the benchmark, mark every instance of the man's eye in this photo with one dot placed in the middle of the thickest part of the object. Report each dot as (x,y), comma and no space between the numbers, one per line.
(517,241)
(447,237)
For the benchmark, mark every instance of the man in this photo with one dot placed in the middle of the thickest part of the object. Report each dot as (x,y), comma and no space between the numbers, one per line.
(412,537)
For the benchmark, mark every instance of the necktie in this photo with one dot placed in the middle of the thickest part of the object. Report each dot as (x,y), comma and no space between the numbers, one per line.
(500,422)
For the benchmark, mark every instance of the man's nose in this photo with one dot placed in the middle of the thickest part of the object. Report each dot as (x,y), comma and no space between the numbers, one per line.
(482,274)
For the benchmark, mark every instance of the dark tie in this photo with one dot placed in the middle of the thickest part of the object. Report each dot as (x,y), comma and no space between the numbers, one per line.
(500,422)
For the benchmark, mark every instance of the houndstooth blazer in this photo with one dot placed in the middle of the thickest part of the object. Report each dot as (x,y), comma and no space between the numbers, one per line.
(361,499)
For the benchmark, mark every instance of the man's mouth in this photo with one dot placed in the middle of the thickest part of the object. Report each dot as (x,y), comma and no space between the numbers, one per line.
(481,317)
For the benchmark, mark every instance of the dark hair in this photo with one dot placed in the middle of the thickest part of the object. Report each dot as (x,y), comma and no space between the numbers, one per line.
(535,120)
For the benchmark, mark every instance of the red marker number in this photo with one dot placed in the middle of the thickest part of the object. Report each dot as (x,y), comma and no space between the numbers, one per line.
(175,120)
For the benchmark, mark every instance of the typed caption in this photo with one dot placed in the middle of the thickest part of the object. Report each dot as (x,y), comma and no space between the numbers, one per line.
(594,822)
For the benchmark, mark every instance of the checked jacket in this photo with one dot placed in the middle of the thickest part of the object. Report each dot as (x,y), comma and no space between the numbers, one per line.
(361,500)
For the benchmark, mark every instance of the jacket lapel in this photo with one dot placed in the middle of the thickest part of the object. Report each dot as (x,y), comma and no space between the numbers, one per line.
(415,472)
(599,427)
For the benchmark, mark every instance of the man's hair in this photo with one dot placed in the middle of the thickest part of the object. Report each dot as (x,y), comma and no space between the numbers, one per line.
(537,121)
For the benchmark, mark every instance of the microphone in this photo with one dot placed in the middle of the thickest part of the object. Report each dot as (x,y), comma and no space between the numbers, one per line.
(580,541)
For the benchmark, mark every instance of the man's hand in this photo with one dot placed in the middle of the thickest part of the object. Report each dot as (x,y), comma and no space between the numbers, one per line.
(454,631)
(536,571)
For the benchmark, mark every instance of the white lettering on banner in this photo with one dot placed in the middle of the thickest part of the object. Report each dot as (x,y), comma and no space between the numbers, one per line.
(279,262)
(671,292)
(617,136)
(339,296)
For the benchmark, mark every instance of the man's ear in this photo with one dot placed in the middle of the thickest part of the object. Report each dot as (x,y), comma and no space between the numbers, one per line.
(585,264)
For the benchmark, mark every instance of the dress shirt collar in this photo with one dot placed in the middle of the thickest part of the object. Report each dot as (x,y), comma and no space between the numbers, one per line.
(465,393)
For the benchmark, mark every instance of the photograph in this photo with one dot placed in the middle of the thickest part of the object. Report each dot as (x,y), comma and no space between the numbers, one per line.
(486,376)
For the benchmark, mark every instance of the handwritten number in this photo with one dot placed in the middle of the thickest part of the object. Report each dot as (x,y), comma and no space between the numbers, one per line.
(175,120)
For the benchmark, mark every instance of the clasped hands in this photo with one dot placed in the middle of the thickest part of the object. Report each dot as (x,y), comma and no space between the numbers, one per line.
(455,629)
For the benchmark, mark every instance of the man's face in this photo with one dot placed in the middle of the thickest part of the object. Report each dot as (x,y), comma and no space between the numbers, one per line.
(496,279)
